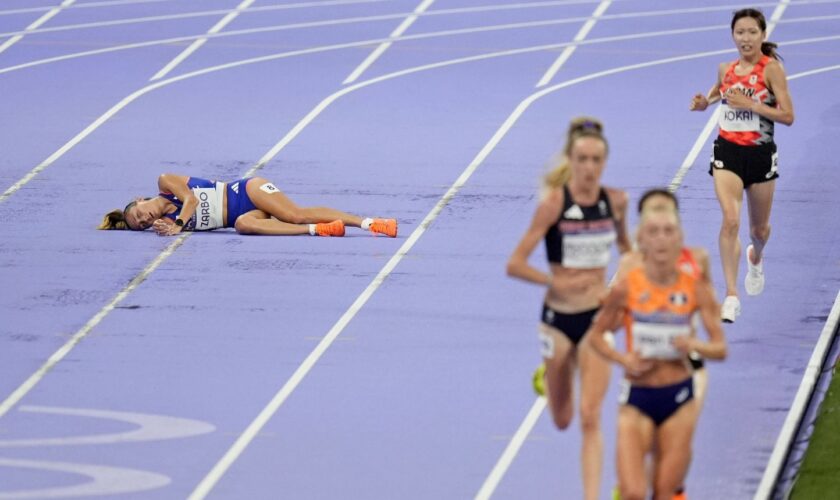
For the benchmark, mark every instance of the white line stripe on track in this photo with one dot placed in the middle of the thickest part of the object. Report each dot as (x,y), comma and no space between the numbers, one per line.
(500,27)
(207,13)
(79,6)
(77,337)
(378,51)
(568,51)
(511,450)
(230,16)
(34,26)
(440,12)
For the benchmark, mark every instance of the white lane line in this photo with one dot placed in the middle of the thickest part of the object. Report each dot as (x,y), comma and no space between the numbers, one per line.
(77,337)
(79,6)
(568,51)
(434,34)
(440,12)
(188,15)
(230,16)
(378,51)
(511,450)
(34,26)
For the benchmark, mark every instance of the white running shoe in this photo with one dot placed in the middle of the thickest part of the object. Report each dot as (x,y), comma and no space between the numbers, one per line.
(754,281)
(730,309)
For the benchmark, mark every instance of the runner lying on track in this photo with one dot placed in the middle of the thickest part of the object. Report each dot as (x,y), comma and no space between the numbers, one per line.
(251,206)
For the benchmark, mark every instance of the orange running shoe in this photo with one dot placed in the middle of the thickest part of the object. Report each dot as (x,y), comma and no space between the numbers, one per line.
(334,228)
(387,227)
(680,495)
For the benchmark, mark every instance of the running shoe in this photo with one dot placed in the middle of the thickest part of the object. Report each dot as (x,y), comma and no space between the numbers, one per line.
(730,309)
(388,227)
(754,281)
(680,495)
(334,228)
(538,380)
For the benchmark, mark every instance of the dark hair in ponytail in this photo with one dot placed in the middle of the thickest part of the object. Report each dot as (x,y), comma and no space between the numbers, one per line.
(767,48)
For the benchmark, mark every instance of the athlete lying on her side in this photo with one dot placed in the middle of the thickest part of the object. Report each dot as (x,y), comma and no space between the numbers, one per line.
(251,206)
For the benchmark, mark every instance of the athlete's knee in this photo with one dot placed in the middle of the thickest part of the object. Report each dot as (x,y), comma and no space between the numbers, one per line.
(562,417)
(730,224)
(245,225)
(634,491)
(590,417)
(760,233)
(295,216)
(562,423)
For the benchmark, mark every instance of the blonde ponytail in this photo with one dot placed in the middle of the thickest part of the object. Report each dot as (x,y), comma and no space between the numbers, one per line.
(559,174)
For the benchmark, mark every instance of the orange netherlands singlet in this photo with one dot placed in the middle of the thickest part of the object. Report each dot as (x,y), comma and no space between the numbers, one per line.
(656,314)
(745,127)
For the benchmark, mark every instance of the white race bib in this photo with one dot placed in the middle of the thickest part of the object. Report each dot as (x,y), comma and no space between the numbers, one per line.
(208,212)
(587,250)
(737,120)
(655,340)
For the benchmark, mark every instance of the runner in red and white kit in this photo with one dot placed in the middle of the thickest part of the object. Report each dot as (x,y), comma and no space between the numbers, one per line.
(754,95)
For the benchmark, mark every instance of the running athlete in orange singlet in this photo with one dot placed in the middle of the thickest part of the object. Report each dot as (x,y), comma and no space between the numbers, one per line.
(693,260)
(658,412)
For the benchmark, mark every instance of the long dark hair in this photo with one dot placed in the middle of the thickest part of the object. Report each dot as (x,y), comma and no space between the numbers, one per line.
(767,48)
